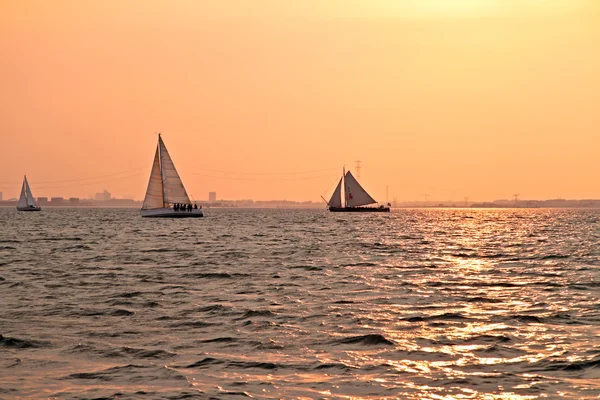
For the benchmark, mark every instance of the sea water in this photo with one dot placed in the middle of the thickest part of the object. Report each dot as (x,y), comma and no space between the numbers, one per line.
(269,304)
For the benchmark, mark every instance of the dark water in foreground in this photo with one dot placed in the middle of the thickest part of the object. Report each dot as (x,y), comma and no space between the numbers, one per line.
(441,304)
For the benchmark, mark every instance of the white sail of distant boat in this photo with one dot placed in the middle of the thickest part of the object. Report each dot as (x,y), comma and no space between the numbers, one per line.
(354,196)
(336,197)
(166,196)
(26,200)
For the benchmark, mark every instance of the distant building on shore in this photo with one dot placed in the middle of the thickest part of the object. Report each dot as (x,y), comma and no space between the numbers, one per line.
(212,196)
(0,196)
(57,201)
(104,196)
(42,201)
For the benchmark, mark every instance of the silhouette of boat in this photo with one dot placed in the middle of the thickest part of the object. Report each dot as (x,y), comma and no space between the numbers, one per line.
(26,201)
(353,198)
(165,189)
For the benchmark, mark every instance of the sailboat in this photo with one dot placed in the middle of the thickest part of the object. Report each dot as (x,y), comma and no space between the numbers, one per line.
(354,197)
(26,201)
(166,196)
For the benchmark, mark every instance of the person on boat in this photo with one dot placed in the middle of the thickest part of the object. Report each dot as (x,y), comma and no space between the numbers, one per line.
(190,207)
(195,206)
(175,206)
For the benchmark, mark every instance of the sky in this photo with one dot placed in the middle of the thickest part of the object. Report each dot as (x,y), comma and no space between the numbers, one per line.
(270,99)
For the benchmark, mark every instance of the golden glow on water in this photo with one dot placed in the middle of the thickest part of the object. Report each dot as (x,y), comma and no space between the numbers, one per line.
(439,305)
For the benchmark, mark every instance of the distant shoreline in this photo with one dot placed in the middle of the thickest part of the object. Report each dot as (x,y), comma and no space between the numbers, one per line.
(440,207)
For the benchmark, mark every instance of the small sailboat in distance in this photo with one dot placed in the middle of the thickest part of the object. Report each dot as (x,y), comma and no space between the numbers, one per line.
(26,201)
(166,196)
(354,197)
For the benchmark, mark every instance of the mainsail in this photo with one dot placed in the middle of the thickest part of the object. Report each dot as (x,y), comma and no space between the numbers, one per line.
(173,189)
(355,194)
(23,198)
(165,186)
(336,197)
(26,199)
(154,193)
(30,200)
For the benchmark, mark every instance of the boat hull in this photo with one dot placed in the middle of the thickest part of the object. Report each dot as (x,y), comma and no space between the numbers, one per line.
(171,213)
(29,208)
(359,209)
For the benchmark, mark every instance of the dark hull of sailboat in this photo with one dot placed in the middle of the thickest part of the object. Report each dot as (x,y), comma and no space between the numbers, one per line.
(170,213)
(359,209)
(29,208)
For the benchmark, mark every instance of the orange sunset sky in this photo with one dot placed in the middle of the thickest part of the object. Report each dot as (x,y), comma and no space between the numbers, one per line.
(269,99)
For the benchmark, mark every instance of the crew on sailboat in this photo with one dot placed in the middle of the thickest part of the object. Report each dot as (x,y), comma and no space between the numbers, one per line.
(185,207)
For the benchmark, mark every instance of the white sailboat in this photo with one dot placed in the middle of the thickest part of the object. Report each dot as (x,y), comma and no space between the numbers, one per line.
(166,196)
(26,201)
(353,198)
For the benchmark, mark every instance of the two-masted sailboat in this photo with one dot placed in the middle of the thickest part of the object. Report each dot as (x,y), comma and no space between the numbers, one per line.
(166,196)
(353,198)
(26,201)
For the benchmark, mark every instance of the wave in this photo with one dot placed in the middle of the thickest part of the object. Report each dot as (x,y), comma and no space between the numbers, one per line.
(94,313)
(51,239)
(373,339)
(257,313)
(219,340)
(565,365)
(439,317)
(481,299)
(192,324)
(107,374)
(143,353)
(332,366)
(17,343)
(208,361)
(215,275)
(205,362)
(161,250)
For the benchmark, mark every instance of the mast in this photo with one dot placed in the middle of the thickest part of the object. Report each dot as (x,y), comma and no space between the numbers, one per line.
(26,188)
(344,186)
(162,176)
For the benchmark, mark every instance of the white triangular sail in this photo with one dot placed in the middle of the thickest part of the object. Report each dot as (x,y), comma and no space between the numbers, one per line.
(336,198)
(30,199)
(154,193)
(173,189)
(23,197)
(355,194)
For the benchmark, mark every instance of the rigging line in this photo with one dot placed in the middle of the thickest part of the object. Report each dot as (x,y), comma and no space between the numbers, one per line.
(90,183)
(79,179)
(263,173)
(258,179)
(334,185)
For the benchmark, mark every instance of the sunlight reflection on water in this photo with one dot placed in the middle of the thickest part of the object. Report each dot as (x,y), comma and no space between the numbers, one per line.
(440,304)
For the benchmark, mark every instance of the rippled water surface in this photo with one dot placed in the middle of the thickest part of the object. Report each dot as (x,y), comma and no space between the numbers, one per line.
(441,304)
